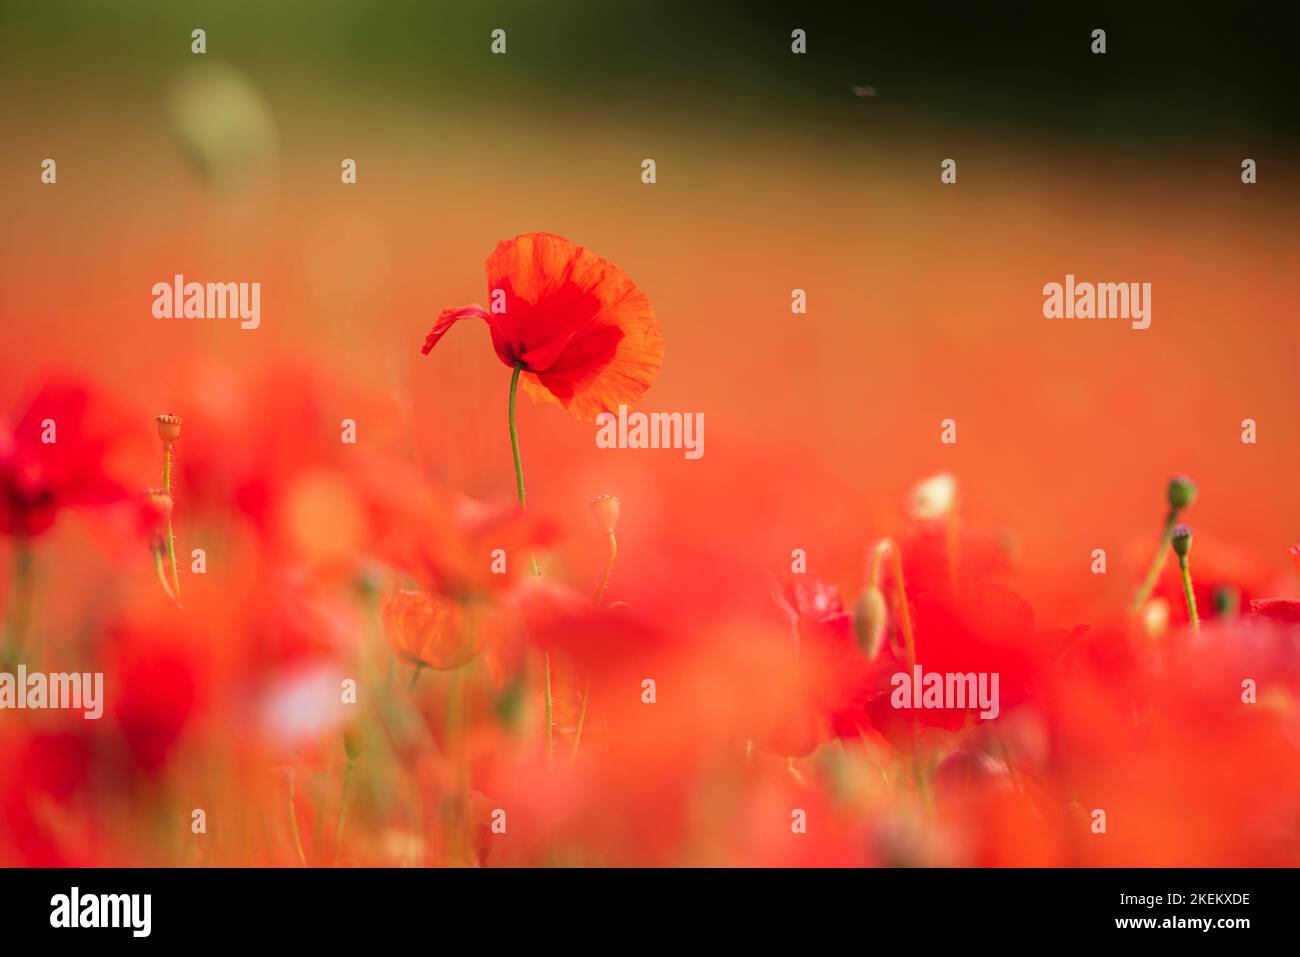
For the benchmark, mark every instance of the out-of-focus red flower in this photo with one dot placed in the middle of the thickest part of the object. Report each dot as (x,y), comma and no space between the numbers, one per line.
(447,542)
(1286,610)
(833,677)
(585,336)
(38,826)
(978,628)
(152,679)
(1164,737)
(431,631)
(556,618)
(56,456)
(153,507)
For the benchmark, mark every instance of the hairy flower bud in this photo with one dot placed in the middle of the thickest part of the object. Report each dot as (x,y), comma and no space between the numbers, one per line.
(1182,492)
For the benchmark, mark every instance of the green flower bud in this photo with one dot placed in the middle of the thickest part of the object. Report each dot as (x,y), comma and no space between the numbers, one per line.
(351,744)
(1182,541)
(1182,492)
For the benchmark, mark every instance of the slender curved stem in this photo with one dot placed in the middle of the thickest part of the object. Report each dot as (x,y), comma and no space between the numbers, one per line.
(582,720)
(514,434)
(609,568)
(343,810)
(162,575)
(550,715)
(1188,593)
(519,485)
(293,825)
(1157,563)
(171,535)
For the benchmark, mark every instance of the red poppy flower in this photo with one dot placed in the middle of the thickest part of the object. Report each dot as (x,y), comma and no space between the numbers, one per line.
(55,457)
(584,336)
(430,631)
(832,678)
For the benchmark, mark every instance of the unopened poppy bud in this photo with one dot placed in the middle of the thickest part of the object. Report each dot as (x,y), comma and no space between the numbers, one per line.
(1182,492)
(1182,541)
(933,498)
(169,427)
(605,510)
(869,619)
(351,744)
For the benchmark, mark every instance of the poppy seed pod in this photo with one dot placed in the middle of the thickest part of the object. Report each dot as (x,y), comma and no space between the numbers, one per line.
(169,427)
(1182,492)
(1182,541)
(604,509)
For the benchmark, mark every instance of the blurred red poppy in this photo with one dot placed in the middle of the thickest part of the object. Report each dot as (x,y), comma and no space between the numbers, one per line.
(54,457)
(429,631)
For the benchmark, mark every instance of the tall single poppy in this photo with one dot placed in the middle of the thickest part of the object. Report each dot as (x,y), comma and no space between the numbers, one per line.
(572,325)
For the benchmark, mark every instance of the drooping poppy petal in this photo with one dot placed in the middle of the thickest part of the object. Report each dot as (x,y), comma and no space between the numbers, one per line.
(448,318)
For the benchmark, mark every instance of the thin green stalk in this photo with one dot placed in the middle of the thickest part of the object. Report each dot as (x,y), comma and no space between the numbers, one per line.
(293,824)
(171,535)
(609,568)
(582,719)
(514,447)
(514,434)
(1188,594)
(550,719)
(519,485)
(343,810)
(162,574)
(1157,563)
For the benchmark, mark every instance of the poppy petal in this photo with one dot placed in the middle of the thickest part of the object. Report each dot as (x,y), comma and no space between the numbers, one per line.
(447,319)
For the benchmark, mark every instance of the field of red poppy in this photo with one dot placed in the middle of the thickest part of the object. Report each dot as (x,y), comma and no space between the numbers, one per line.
(351,581)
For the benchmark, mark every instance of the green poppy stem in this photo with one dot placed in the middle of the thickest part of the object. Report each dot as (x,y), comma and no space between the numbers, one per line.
(519,485)
(582,720)
(171,535)
(1157,563)
(343,810)
(609,569)
(514,447)
(162,575)
(1188,594)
